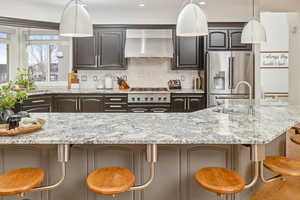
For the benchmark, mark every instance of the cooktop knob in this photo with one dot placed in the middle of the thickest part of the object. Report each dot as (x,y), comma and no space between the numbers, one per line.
(133,99)
(159,98)
(146,99)
(138,99)
(151,99)
(165,98)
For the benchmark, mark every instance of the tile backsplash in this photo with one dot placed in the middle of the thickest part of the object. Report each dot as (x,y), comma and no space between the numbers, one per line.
(141,72)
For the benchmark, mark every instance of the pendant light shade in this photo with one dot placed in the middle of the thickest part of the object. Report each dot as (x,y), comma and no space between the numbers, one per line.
(192,22)
(76,21)
(254,33)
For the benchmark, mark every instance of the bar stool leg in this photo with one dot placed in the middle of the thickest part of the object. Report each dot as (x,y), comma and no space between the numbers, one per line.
(220,197)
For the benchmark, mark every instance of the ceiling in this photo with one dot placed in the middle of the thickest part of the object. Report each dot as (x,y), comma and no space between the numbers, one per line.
(127,11)
(125,4)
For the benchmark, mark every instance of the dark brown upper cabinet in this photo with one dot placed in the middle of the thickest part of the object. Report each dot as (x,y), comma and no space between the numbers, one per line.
(104,51)
(226,39)
(235,36)
(188,53)
(110,48)
(84,52)
(217,39)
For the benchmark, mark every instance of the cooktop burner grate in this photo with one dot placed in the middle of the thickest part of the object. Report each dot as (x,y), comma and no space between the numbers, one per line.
(149,89)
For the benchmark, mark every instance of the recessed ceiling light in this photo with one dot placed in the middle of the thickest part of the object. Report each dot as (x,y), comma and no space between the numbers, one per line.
(202,3)
(141,5)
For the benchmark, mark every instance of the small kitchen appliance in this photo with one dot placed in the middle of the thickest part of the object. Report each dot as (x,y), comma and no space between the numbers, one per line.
(174,84)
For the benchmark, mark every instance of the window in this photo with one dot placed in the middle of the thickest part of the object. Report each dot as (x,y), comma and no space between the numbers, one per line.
(48,57)
(4,64)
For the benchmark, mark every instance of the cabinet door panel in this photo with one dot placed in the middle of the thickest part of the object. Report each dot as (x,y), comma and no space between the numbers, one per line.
(179,104)
(84,52)
(110,49)
(198,157)
(217,40)
(235,37)
(89,104)
(196,103)
(167,182)
(188,51)
(66,104)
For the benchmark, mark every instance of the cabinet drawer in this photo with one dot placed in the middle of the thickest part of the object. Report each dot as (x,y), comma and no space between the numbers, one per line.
(37,109)
(115,107)
(115,98)
(32,101)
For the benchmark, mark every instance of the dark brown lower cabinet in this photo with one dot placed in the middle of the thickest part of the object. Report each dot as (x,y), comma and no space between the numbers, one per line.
(66,104)
(188,102)
(37,109)
(96,103)
(39,103)
(91,104)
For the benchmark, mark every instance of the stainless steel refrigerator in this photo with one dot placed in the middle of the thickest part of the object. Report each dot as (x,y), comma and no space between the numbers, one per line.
(225,70)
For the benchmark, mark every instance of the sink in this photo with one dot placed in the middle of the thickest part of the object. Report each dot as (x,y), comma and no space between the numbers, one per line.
(224,110)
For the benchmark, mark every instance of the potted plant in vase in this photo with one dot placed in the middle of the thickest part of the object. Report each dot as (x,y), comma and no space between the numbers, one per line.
(25,79)
(10,96)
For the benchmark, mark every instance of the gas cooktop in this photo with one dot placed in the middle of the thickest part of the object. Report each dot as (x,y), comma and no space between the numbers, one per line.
(149,89)
(149,95)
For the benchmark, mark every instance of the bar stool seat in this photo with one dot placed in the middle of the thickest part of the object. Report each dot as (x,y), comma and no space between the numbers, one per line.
(20,180)
(283,165)
(111,180)
(220,180)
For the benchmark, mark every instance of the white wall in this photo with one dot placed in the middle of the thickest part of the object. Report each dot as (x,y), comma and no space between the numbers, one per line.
(280,5)
(277,30)
(294,73)
(147,72)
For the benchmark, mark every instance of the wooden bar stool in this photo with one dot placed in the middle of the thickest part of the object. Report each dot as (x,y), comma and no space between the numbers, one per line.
(21,181)
(223,181)
(116,180)
(282,165)
(220,180)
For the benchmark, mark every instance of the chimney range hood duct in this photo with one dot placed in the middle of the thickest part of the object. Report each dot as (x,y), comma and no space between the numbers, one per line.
(149,43)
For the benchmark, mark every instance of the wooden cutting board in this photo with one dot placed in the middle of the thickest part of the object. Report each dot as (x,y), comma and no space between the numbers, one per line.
(4,131)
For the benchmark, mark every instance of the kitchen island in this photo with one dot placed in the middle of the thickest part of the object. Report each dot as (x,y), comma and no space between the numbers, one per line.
(187,142)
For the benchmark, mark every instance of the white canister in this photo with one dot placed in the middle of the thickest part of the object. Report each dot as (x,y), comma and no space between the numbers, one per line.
(108,83)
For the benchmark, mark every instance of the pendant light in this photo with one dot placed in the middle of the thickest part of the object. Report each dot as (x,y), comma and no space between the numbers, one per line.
(254,32)
(192,21)
(76,21)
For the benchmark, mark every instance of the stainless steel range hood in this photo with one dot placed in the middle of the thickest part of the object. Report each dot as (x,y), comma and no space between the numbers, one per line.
(149,43)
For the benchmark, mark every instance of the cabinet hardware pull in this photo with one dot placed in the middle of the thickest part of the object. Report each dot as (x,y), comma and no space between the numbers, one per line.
(115,99)
(184,104)
(188,104)
(39,101)
(115,106)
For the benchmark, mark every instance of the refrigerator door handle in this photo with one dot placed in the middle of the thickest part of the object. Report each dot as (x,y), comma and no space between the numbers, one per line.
(232,73)
(229,74)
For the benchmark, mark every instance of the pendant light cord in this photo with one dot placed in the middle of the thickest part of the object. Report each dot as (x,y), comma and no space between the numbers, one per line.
(253,7)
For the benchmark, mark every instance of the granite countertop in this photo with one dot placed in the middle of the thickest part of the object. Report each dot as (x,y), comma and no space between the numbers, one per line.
(57,90)
(201,127)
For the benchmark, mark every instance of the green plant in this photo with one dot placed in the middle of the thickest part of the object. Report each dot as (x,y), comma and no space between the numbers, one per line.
(11,95)
(24,79)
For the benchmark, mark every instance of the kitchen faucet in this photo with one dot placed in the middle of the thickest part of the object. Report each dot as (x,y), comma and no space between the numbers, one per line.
(251,106)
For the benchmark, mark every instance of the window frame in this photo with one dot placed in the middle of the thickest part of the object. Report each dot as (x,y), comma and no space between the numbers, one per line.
(8,42)
(61,41)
